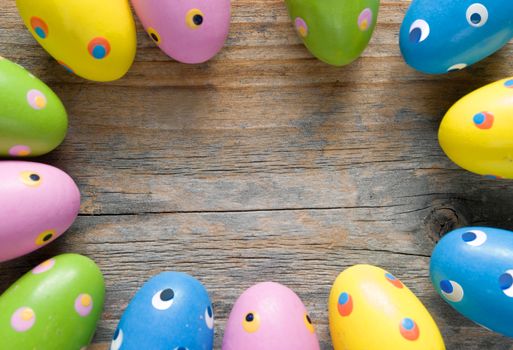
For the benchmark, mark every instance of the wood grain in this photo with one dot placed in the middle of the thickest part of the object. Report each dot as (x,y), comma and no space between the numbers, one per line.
(265,164)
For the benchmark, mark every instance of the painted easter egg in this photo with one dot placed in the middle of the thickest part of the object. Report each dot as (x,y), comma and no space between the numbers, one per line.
(446,35)
(476,133)
(190,31)
(33,120)
(369,308)
(94,39)
(55,306)
(39,202)
(472,270)
(269,316)
(172,311)
(334,31)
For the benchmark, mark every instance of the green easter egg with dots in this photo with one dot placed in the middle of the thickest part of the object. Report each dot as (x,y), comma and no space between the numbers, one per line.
(33,120)
(334,31)
(55,306)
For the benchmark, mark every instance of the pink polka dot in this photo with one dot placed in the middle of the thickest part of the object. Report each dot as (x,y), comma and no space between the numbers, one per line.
(36,99)
(301,27)
(20,151)
(43,267)
(83,304)
(365,19)
(23,319)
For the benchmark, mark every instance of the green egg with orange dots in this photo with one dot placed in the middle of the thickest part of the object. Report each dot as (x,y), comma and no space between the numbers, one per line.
(33,120)
(334,31)
(95,39)
(55,306)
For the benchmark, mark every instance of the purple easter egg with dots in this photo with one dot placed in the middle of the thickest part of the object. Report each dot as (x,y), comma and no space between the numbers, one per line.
(39,202)
(190,31)
(269,316)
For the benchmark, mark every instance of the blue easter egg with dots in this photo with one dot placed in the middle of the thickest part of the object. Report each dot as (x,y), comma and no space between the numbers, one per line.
(172,311)
(442,36)
(472,270)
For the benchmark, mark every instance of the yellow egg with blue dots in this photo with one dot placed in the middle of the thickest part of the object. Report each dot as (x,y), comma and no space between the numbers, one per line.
(371,309)
(477,132)
(94,39)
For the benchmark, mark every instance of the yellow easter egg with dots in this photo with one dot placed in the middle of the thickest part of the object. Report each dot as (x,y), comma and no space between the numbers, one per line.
(95,39)
(371,309)
(477,132)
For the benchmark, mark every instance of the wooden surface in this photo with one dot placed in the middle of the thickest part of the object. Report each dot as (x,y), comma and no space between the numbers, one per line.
(265,164)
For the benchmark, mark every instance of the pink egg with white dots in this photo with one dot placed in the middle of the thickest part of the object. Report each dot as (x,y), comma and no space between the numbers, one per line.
(39,203)
(269,316)
(190,31)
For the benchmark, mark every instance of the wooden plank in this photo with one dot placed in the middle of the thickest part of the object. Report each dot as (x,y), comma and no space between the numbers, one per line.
(265,163)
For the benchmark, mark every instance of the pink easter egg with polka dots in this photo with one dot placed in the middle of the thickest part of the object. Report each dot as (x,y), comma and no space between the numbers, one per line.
(39,203)
(269,316)
(190,31)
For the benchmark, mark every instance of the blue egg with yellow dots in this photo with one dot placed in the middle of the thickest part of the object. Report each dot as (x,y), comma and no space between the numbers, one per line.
(472,270)
(172,311)
(445,35)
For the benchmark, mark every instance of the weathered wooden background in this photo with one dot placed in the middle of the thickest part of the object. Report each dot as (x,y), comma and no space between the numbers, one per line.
(265,164)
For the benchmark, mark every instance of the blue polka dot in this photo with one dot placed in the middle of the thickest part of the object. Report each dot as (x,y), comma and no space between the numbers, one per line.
(415,35)
(390,276)
(479,118)
(408,324)
(468,236)
(99,52)
(40,32)
(505,281)
(509,83)
(475,18)
(343,298)
(446,286)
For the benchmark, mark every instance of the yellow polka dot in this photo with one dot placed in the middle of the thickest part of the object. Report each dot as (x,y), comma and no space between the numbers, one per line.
(46,263)
(194,18)
(45,237)
(364,25)
(85,300)
(31,178)
(40,101)
(308,323)
(302,31)
(251,322)
(27,314)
